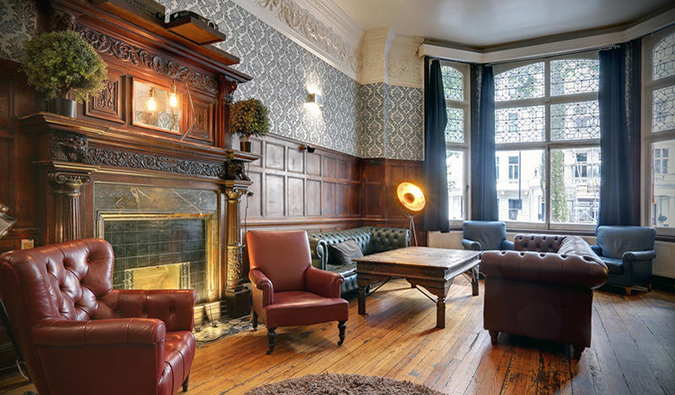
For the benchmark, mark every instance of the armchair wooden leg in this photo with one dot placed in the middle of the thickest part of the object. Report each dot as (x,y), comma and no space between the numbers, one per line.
(342,326)
(186,383)
(254,320)
(494,336)
(577,351)
(271,334)
(628,291)
(650,287)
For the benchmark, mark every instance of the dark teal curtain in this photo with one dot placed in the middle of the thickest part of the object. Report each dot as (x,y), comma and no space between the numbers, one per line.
(619,102)
(484,203)
(436,212)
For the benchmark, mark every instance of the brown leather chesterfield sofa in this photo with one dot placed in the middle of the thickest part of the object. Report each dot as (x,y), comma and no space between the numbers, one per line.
(80,336)
(543,289)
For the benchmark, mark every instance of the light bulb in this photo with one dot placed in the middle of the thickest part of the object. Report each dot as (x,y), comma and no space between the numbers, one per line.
(173,99)
(152,104)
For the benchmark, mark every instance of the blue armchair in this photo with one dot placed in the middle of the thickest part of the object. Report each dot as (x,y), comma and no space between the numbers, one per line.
(485,235)
(628,252)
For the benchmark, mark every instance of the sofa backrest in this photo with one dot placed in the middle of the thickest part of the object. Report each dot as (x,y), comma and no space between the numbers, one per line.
(539,243)
(489,234)
(361,235)
(615,240)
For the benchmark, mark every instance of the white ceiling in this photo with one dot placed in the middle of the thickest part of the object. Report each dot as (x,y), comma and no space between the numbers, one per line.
(482,23)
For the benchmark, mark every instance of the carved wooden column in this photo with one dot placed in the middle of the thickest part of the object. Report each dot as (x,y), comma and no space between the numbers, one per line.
(67,186)
(238,297)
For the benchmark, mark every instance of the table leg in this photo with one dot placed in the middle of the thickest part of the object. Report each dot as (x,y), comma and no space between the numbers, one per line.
(362,300)
(440,313)
(474,280)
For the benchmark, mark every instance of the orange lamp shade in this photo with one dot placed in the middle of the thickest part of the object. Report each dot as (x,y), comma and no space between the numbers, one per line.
(410,196)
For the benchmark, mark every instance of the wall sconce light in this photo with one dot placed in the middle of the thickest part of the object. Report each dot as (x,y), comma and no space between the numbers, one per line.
(152,104)
(315,98)
(173,98)
(308,148)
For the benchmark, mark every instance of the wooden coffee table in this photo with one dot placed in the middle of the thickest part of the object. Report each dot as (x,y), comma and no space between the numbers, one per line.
(432,268)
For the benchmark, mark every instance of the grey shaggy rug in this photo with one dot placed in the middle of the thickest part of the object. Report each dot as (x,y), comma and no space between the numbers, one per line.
(342,384)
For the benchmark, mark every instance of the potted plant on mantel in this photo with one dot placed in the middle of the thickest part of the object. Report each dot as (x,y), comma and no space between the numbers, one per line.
(248,118)
(63,66)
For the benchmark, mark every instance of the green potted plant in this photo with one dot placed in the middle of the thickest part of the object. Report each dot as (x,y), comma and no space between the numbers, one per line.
(248,118)
(63,66)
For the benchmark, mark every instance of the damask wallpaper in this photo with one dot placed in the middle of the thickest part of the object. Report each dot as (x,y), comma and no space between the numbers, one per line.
(373,120)
(18,23)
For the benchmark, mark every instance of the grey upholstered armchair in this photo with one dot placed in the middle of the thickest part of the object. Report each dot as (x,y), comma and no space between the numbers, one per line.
(628,252)
(485,235)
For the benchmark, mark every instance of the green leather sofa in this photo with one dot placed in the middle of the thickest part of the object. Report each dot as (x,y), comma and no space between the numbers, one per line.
(369,238)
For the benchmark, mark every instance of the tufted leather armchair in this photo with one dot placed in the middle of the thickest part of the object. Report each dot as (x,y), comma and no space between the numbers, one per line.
(287,289)
(370,239)
(628,252)
(543,289)
(79,336)
(485,235)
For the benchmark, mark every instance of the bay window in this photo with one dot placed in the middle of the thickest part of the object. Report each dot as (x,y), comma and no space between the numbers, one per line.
(547,132)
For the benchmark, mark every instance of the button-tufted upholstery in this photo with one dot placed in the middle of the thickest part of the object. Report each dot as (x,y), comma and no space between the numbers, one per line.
(543,290)
(79,336)
(287,289)
(370,239)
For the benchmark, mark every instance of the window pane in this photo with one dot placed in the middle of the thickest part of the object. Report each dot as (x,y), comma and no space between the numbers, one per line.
(575,121)
(663,187)
(575,185)
(453,83)
(454,129)
(455,162)
(663,109)
(663,61)
(524,82)
(520,188)
(519,125)
(572,76)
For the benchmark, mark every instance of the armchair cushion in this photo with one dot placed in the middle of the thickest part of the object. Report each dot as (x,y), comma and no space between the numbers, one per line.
(489,234)
(615,266)
(297,308)
(343,253)
(615,240)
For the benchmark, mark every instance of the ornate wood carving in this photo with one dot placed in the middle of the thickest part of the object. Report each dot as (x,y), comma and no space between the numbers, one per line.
(226,89)
(236,295)
(63,21)
(236,170)
(107,104)
(144,58)
(67,186)
(69,147)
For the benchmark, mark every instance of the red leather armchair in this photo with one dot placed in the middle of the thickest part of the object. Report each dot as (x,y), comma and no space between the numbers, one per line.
(287,289)
(79,336)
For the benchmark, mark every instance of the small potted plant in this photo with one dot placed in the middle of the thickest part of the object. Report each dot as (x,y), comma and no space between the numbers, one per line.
(248,118)
(63,66)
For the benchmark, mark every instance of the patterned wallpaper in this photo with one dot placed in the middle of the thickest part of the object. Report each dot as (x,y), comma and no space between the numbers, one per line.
(18,22)
(373,120)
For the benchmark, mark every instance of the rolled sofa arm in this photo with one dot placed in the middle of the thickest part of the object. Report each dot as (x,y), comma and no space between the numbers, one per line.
(471,245)
(319,250)
(631,256)
(567,270)
(116,331)
(263,285)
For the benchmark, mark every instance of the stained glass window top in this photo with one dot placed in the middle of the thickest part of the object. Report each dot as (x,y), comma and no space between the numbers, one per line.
(524,82)
(519,125)
(575,121)
(571,76)
(454,129)
(663,109)
(663,61)
(453,83)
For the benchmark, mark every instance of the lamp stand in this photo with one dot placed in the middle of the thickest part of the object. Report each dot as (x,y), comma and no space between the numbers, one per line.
(411,227)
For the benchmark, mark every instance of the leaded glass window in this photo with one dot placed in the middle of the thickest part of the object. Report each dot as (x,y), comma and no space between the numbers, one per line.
(519,125)
(524,82)
(663,109)
(572,76)
(575,121)
(453,83)
(663,55)
(454,129)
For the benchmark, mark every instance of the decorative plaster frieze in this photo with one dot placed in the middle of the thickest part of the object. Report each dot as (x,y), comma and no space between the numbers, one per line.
(303,26)
(404,67)
(374,49)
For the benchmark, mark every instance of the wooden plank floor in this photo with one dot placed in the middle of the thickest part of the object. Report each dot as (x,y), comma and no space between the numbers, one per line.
(633,350)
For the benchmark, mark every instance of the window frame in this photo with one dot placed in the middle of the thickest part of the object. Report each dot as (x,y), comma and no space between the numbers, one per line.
(547,144)
(648,138)
(465,147)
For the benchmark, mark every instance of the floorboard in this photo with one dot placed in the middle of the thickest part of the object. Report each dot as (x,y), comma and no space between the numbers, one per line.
(633,350)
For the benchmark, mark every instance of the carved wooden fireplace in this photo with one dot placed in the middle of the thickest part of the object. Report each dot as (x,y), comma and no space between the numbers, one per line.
(165,194)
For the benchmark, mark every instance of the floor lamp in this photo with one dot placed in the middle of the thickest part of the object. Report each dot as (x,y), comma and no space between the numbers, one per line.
(412,199)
